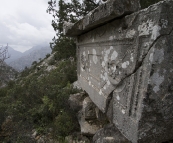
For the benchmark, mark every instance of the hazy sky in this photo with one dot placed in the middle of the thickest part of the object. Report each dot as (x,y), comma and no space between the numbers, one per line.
(25,23)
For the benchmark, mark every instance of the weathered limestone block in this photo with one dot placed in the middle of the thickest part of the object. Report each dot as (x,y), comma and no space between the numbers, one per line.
(109,112)
(76,101)
(76,85)
(89,109)
(88,127)
(142,102)
(129,60)
(90,118)
(109,134)
(105,12)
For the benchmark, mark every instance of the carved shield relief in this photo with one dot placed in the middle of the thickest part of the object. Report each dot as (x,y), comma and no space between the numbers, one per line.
(103,66)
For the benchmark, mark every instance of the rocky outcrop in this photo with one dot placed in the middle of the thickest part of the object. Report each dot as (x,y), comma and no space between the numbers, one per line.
(125,65)
(78,139)
(93,122)
(89,116)
(88,119)
(76,85)
(109,134)
(76,101)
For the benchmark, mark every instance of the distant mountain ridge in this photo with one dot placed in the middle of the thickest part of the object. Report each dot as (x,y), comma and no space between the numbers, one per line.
(13,55)
(34,48)
(20,60)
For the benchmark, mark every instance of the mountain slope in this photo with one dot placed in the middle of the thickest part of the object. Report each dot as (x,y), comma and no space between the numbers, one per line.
(13,55)
(37,103)
(29,57)
(34,48)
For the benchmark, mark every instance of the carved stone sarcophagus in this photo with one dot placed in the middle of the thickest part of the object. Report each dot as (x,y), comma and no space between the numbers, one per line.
(127,59)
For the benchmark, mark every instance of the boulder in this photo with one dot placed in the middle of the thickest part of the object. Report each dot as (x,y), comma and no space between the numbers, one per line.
(89,109)
(109,134)
(76,85)
(77,139)
(87,118)
(76,101)
(88,127)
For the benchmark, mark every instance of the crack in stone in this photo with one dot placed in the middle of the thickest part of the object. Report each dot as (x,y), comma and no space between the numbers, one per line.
(139,65)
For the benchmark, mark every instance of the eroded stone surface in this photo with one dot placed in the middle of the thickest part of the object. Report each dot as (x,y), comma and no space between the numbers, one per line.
(88,127)
(126,67)
(76,101)
(109,134)
(88,118)
(110,53)
(89,109)
(109,10)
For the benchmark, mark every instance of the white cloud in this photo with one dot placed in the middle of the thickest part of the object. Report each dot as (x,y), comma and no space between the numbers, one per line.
(25,23)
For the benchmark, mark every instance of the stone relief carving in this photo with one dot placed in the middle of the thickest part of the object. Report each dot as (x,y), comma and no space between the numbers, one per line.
(83,61)
(129,62)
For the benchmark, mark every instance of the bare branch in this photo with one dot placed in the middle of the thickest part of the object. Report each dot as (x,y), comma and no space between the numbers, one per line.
(91,1)
(3,54)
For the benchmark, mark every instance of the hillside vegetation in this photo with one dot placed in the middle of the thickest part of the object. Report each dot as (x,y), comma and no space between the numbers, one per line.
(38,100)
(7,74)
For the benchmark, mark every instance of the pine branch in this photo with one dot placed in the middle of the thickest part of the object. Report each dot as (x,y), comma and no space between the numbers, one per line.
(92,2)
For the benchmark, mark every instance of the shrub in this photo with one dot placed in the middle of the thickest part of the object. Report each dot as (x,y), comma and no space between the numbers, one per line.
(64,124)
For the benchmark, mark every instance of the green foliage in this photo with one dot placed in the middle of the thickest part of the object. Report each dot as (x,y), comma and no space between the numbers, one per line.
(3,105)
(65,48)
(39,100)
(34,62)
(25,72)
(64,124)
(88,5)
(52,61)
(70,12)
(47,56)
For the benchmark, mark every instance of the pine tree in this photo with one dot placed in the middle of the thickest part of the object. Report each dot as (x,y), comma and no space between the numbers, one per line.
(89,5)
(69,12)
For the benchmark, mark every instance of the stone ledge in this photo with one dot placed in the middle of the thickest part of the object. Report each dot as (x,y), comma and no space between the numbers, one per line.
(104,13)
